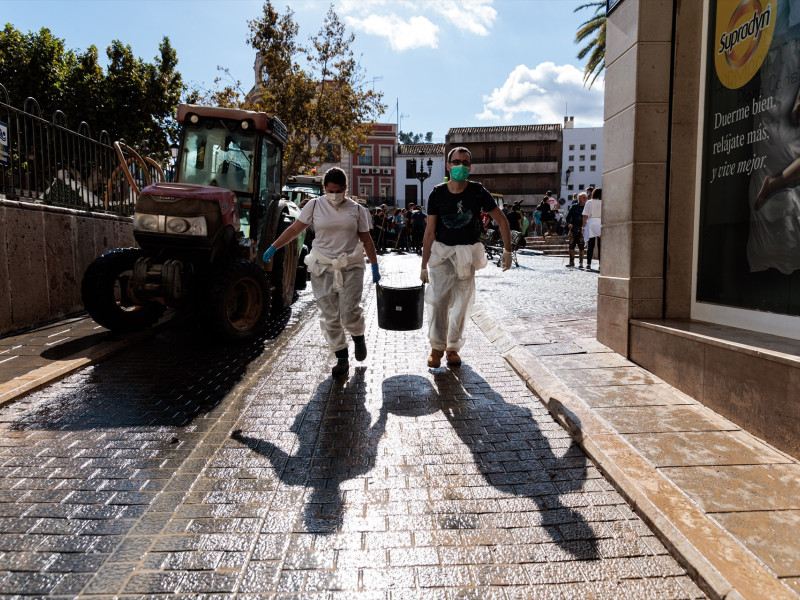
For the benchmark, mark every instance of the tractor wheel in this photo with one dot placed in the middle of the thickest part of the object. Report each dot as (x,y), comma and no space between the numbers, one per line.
(104,293)
(239,299)
(283,277)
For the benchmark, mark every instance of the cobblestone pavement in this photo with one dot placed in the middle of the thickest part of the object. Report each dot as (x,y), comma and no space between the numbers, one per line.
(187,469)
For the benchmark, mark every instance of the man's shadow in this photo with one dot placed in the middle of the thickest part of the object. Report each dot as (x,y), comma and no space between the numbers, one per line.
(337,441)
(514,456)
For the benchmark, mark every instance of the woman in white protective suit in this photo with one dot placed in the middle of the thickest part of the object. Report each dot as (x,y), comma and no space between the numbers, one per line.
(336,264)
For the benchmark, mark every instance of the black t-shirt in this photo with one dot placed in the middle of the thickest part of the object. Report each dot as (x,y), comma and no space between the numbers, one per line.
(418,219)
(575,216)
(458,215)
(514,220)
(547,211)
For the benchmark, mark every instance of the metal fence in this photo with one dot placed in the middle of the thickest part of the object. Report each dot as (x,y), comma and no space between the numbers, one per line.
(44,161)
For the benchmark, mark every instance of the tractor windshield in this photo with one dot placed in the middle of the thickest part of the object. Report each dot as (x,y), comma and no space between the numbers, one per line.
(218,153)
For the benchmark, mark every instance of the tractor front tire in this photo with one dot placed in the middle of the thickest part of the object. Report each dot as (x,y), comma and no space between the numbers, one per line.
(239,301)
(104,291)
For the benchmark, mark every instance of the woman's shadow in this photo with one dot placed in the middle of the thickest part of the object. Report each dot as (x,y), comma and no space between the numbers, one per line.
(338,441)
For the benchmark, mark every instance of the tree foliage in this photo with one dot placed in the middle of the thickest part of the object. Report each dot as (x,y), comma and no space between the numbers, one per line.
(415,138)
(316,89)
(132,99)
(593,32)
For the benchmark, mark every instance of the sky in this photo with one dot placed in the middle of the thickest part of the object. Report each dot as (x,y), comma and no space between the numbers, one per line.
(438,63)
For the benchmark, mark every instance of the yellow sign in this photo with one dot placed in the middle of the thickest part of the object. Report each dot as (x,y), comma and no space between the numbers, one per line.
(744,33)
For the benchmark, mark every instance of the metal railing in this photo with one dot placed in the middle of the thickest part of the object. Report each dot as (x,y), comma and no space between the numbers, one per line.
(46,162)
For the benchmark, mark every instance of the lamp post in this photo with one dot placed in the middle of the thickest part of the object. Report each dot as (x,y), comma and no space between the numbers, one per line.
(173,151)
(420,174)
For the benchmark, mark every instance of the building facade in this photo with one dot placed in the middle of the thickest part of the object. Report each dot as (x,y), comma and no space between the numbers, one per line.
(700,272)
(521,162)
(413,159)
(582,158)
(373,172)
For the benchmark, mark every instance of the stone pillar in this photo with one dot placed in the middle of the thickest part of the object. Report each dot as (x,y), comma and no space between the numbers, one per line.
(635,162)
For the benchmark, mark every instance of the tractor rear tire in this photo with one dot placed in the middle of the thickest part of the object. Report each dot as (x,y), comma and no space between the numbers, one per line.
(239,301)
(103,291)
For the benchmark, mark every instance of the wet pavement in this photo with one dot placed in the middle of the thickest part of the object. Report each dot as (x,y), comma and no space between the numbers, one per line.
(181,467)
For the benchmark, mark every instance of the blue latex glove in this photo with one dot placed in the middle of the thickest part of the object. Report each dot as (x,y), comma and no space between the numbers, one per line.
(376,273)
(269,254)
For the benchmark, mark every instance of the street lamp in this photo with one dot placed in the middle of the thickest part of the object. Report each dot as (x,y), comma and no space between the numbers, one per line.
(173,151)
(420,174)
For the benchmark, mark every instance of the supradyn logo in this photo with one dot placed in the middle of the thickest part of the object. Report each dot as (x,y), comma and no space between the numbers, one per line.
(744,33)
(3,134)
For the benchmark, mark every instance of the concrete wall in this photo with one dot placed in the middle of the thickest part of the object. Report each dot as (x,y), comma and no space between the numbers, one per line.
(44,252)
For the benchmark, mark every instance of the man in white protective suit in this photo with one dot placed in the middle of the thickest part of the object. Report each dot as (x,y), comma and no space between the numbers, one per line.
(452,252)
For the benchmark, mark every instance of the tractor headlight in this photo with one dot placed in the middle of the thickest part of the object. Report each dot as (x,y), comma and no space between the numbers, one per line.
(145,222)
(170,224)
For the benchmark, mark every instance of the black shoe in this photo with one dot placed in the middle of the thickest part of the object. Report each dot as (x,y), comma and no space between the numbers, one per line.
(361,347)
(341,368)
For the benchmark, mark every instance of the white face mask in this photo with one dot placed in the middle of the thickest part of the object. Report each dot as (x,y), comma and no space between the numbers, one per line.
(335,199)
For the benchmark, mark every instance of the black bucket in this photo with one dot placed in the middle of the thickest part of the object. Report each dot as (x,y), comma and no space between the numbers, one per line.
(400,309)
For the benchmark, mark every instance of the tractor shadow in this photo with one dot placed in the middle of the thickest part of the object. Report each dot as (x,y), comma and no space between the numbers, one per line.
(167,380)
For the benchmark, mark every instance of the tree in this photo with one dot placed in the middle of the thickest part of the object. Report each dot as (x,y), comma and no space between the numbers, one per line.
(316,90)
(414,138)
(134,99)
(593,30)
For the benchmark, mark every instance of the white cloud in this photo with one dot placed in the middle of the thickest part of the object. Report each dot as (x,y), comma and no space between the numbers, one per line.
(542,95)
(380,18)
(415,32)
(474,16)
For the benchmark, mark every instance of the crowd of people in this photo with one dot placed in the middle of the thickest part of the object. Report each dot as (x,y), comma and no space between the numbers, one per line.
(398,228)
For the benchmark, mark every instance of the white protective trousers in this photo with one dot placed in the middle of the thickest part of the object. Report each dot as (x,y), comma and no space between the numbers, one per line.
(451,292)
(338,285)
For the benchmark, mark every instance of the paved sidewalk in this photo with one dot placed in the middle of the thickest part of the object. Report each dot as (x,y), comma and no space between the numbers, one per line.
(181,468)
(723,500)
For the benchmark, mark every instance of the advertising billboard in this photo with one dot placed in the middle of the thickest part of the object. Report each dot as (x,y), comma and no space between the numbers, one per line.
(749,244)
(3,143)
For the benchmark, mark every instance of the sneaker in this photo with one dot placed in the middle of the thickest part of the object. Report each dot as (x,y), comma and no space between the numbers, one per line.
(572,264)
(435,358)
(453,359)
(361,348)
(341,368)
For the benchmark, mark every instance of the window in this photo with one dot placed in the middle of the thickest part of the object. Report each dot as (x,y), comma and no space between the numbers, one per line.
(489,183)
(513,183)
(581,168)
(365,191)
(386,156)
(581,187)
(515,153)
(365,158)
(489,154)
(583,157)
(593,157)
(572,146)
(411,168)
(571,157)
(583,146)
(386,191)
(570,187)
(592,168)
(594,147)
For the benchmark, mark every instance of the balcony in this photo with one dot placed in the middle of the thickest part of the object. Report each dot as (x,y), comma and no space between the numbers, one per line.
(513,159)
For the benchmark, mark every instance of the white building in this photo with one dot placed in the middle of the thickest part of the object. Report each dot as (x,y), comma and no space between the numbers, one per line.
(409,158)
(582,162)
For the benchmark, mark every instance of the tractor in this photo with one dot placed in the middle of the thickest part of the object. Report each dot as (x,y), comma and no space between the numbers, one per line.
(202,235)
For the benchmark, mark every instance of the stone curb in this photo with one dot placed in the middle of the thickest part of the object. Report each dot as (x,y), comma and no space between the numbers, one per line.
(722,567)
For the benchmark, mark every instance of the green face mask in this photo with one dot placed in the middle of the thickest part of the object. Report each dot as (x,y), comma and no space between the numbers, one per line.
(459,173)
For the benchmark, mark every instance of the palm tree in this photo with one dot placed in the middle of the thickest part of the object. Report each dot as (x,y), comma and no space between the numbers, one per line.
(593,30)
